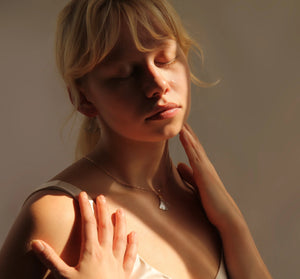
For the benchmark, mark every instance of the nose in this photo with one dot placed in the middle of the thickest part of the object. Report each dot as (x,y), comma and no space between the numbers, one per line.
(157,84)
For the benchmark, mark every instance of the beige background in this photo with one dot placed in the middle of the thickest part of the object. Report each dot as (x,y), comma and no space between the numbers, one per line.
(249,123)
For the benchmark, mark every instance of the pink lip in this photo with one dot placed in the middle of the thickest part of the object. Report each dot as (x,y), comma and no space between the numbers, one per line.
(164,112)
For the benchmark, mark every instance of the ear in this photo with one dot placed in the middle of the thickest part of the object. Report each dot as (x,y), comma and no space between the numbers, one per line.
(85,106)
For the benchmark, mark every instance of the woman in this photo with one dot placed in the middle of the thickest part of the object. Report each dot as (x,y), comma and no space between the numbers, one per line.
(125,66)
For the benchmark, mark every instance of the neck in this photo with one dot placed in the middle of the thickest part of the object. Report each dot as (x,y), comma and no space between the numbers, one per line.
(144,164)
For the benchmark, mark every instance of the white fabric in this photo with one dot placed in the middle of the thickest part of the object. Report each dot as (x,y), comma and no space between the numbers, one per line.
(141,269)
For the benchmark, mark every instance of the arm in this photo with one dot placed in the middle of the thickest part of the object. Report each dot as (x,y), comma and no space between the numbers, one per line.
(48,216)
(241,255)
(103,253)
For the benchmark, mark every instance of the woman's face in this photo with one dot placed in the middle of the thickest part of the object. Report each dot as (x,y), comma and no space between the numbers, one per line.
(143,96)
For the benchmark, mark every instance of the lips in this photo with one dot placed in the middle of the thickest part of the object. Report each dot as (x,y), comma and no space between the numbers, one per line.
(164,112)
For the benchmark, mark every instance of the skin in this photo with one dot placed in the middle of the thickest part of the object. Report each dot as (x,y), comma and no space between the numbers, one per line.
(106,251)
(242,257)
(183,242)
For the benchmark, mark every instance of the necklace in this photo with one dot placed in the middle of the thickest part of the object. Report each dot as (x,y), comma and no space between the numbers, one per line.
(163,205)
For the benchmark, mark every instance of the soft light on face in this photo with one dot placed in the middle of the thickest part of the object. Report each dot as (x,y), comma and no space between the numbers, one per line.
(130,86)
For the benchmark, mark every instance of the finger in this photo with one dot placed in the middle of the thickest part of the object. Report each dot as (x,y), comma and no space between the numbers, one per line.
(50,259)
(188,145)
(190,131)
(186,173)
(120,239)
(105,229)
(130,253)
(192,138)
(193,148)
(88,221)
(189,128)
(202,167)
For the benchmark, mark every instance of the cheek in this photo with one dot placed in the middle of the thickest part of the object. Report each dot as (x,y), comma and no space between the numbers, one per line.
(117,108)
(182,85)
(180,81)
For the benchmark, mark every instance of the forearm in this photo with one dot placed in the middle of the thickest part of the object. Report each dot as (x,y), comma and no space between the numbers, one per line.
(241,255)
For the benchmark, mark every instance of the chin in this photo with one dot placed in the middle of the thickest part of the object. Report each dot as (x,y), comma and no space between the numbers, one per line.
(169,131)
(174,131)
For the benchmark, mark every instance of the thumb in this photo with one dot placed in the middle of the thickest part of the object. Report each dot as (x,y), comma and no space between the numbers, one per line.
(50,259)
(186,173)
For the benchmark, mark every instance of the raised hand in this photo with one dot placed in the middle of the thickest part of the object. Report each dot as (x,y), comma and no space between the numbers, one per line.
(242,257)
(106,251)
(220,208)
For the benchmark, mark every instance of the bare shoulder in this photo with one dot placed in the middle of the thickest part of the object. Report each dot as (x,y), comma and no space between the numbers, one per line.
(51,211)
(48,215)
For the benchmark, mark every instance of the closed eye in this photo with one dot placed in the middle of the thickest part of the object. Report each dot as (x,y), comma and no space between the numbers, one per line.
(125,74)
(123,77)
(167,63)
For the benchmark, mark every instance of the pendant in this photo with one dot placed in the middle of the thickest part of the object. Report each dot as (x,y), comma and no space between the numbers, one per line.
(162,204)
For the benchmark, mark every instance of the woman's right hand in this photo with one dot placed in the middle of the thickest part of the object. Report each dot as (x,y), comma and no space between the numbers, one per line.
(107,252)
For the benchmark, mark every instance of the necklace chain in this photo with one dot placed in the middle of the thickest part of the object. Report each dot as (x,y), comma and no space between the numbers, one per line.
(163,205)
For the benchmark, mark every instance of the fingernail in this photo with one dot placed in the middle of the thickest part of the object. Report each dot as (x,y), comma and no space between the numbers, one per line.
(37,246)
(102,198)
(120,212)
(84,195)
(133,237)
(183,133)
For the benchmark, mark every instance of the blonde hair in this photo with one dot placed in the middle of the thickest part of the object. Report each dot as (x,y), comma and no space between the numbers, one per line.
(87,30)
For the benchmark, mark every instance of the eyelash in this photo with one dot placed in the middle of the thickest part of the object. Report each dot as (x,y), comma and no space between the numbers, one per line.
(160,64)
(167,64)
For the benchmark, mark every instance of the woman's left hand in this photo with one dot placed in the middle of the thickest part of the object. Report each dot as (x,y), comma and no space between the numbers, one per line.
(242,257)
(219,206)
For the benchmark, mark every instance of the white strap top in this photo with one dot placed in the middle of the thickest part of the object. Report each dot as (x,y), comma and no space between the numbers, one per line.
(141,269)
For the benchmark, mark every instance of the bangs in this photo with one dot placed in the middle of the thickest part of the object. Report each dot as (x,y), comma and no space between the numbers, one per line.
(88,30)
(146,21)
(143,19)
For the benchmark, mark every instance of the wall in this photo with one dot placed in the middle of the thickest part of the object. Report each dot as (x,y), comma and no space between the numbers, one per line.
(249,123)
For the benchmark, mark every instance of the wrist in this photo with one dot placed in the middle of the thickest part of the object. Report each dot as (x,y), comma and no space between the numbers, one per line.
(233,226)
